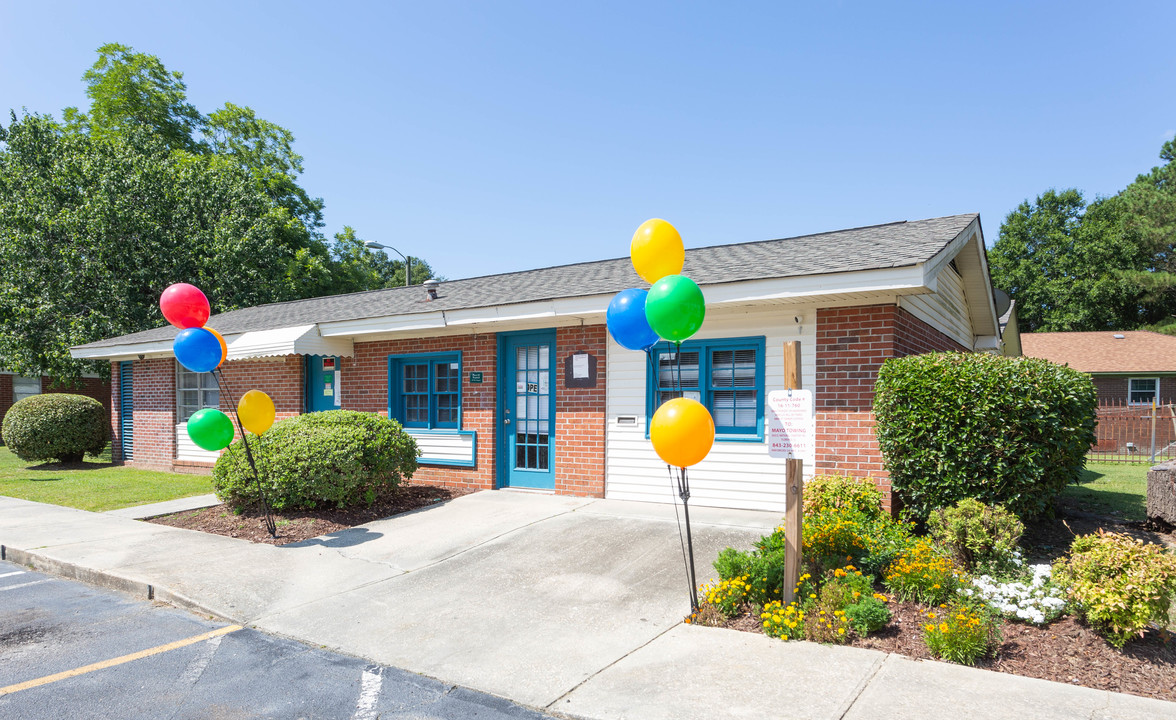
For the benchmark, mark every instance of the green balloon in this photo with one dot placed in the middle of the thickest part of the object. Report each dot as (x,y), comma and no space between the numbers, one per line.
(675,307)
(211,429)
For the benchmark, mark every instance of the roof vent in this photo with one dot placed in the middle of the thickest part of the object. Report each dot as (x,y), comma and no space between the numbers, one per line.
(1119,336)
(431,287)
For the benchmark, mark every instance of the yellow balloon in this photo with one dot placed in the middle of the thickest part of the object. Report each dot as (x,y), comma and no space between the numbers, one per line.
(224,346)
(657,250)
(256,411)
(682,432)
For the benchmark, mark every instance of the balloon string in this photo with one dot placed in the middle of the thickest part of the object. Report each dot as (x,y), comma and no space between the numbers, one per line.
(678,359)
(222,385)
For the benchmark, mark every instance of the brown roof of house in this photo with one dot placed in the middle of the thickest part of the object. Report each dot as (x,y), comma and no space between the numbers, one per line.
(1125,351)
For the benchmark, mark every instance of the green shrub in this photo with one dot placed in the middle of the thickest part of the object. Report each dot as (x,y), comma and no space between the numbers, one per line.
(1005,431)
(867,615)
(961,633)
(975,533)
(56,426)
(338,457)
(836,492)
(1119,583)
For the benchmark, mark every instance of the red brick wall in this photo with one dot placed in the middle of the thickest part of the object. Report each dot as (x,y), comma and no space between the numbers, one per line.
(364,383)
(280,378)
(852,343)
(1112,389)
(154,397)
(580,416)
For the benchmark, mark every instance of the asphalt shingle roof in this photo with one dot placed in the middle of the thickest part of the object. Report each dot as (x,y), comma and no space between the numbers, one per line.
(897,244)
(1101,352)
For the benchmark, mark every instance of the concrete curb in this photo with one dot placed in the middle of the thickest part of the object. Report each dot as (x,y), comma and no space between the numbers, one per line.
(111,581)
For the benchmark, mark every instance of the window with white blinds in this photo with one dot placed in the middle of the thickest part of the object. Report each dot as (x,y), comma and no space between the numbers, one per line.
(727,376)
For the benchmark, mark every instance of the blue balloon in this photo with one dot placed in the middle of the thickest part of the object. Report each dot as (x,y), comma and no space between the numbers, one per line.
(197,349)
(626,320)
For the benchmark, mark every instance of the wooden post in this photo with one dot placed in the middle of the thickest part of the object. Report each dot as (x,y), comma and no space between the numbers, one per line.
(794,482)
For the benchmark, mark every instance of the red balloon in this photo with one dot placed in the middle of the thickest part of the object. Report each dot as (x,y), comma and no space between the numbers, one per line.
(184,306)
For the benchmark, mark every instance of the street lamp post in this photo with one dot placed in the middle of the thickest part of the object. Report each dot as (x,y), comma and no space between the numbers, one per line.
(407,260)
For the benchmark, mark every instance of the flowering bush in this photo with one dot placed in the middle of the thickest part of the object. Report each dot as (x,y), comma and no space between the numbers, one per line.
(1034,600)
(960,634)
(728,596)
(786,623)
(1121,584)
(923,575)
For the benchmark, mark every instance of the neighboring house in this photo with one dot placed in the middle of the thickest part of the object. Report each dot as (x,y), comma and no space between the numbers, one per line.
(512,380)
(18,387)
(1131,369)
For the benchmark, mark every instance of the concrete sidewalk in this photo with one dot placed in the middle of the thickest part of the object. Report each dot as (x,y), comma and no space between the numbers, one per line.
(570,605)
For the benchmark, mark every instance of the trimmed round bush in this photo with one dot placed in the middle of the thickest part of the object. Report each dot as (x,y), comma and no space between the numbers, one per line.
(56,426)
(335,458)
(1004,431)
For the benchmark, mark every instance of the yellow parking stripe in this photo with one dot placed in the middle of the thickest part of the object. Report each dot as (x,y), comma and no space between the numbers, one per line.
(118,660)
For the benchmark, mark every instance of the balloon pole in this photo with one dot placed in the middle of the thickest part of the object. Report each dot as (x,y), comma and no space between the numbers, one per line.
(270,525)
(684,493)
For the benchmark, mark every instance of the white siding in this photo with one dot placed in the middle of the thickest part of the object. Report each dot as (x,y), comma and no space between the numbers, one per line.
(188,450)
(945,310)
(444,447)
(735,474)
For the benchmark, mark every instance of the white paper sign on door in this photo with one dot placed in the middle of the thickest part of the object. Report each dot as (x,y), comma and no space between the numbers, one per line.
(792,428)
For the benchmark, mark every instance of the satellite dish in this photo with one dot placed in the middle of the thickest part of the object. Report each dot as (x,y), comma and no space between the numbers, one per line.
(1002,300)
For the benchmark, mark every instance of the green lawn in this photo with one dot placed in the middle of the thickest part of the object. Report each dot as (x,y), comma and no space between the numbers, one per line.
(94,484)
(1115,489)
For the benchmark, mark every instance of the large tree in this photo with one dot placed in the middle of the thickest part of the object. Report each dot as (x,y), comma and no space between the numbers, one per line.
(100,213)
(1107,265)
(93,229)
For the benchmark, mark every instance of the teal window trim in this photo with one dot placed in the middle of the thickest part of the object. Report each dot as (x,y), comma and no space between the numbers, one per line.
(705,388)
(431,396)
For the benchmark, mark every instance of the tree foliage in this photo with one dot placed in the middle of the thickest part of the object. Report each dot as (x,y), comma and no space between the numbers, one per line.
(101,212)
(1109,264)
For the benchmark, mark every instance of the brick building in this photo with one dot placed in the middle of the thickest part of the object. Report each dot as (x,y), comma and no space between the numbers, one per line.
(512,381)
(1131,370)
(15,387)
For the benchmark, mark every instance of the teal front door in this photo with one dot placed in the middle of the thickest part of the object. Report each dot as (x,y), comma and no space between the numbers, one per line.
(527,409)
(322,383)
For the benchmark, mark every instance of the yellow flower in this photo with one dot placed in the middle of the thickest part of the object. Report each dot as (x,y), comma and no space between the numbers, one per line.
(841,631)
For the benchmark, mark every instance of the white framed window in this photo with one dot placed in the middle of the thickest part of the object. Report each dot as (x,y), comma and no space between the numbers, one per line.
(23,387)
(194,391)
(1142,391)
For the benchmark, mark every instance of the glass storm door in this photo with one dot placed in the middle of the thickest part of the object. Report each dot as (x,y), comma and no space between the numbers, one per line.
(528,410)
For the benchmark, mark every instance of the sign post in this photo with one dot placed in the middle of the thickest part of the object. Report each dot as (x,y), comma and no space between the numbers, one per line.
(791,435)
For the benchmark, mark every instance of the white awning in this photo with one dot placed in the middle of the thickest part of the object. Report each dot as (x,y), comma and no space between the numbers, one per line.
(299,340)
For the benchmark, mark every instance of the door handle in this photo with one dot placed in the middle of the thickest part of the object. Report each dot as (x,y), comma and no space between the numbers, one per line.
(506,421)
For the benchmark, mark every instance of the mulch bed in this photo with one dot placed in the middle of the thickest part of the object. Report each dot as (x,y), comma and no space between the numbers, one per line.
(1066,651)
(302,525)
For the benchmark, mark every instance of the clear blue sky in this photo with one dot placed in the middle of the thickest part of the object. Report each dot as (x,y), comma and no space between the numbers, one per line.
(497,136)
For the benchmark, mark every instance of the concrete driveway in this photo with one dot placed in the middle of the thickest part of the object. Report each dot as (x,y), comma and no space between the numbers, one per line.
(517,594)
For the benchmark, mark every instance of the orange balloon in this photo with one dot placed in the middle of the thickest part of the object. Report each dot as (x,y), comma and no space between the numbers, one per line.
(657,250)
(682,432)
(224,345)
